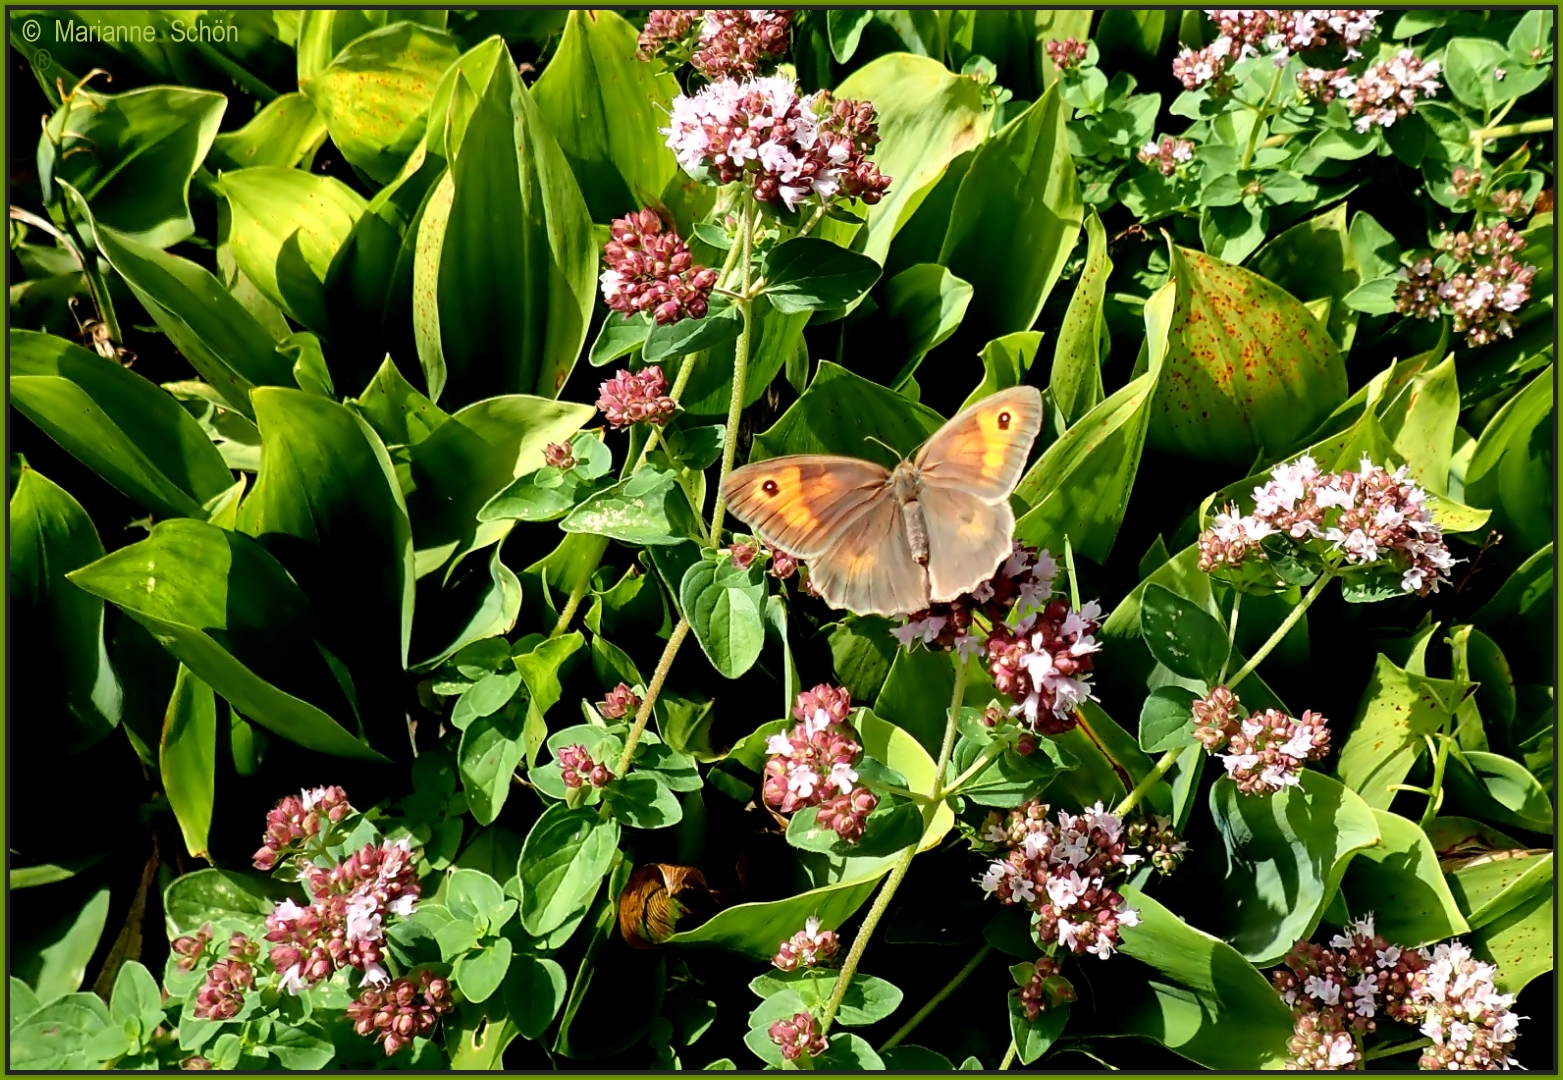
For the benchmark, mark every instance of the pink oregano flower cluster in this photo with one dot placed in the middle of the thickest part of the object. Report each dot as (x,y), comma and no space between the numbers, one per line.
(809,947)
(1367,517)
(723,44)
(649,269)
(812,765)
(798,1035)
(576,768)
(1265,751)
(299,818)
(1476,280)
(789,147)
(1166,155)
(1244,33)
(1339,993)
(1044,988)
(1059,870)
(1387,91)
(1068,53)
(636,398)
(620,702)
(405,1009)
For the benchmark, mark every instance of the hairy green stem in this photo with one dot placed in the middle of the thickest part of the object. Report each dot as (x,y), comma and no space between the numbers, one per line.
(578,591)
(1009,1057)
(989,752)
(1281,631)
(1527,127)
(658,677)
(904,863)
(938,999)
(1237,598)
(1260,116)
(1164,763)
(735,405)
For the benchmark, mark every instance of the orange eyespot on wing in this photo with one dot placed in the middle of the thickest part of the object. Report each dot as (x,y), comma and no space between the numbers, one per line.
(983,449)
(801,503)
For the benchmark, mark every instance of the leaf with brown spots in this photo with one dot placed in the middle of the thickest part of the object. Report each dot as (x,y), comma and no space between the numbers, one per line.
(1248,368)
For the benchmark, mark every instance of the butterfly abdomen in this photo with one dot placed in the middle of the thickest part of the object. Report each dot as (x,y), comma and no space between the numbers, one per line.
(916,531)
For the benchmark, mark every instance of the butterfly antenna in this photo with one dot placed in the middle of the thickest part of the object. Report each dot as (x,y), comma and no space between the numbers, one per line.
(881,442)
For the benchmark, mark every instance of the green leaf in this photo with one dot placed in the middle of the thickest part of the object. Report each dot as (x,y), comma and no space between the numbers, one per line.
(301,1048)
(1284,855)
(227,610)
(286,131)
(1079,488)
(649,507)
(479,974)
(539,667)
(810,274)
(327,504)
(850,1053)
(228,899)
(928,116)
(889,829)
(1497,789)
(722,604)
(1511,470)
(1005,362)
(837,414)
(136,997)
(1398,709)
(1313,260)
(861,651)
(76,697)
(563,862)
(486,696)
(1519,943)
(507,317)
(1399,880)
(1199,998)
(750,928)
(217,334)
(491,748)
(57,1036)
(399,414)
(1470,69)
(118,424)
(23,1002)
(774,339)
(132,156)
(1033,1038)
(187,758)
(1167,719)
(1421,422)
(1494,883)
(376,93)
(1076,378)
(643,800)
(1016,217)
(54,959)
(867,999)
(722,324)
(1181,635)
(1249,369)
(287,226)
(922,306)
(619,336)
(470,458)
(478,602)
(605,106)
(780,1006)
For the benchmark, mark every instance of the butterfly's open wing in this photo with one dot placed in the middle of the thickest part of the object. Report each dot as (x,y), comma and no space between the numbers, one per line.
(983,449)
(967,539)
(870,569)
(804,502)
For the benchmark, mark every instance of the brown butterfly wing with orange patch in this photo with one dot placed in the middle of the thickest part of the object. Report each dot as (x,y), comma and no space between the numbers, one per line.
(803,503)
(968,469)
(871,569)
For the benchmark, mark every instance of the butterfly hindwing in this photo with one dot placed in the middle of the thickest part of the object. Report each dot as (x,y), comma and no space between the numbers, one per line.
(802,503)
(982,449)
(870,569)
(967,539)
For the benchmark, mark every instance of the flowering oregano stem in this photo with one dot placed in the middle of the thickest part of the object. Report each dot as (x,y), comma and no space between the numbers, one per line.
(989,752)
(735,405)
(1131,800)
(1261,114)
(1281,631)
(938,999)
(904,863)
(578,590)
(1009,1057)
(658,677)
(1237,599)
(1528,127)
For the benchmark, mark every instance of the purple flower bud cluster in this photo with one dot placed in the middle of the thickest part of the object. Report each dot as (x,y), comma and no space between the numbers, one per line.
(621,702)
(190,947)
(1366,517)
(635,398)
(790,147)
(298,818)
(740,44)
(1318,84)
(668,34)
(798,1036)
(1465,182)
(1166,155)
(1340,991)
(783,565)
(1266,750)
(1245,33)
(1018,590)
(221,996)
(1476,280)
(1044,664)
(1059,870)
(808,948)
(1045,988)
(649,269)
(344,926)
(402,1010)
(812,765)
(1387,91)
(576,768)
(1158,842)
(1068,54)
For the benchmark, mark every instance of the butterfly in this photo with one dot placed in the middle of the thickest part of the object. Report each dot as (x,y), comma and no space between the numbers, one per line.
(883,542)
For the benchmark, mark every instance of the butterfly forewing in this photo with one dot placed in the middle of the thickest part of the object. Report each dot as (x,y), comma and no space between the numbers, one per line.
(983,449)
(803,503)
(967,539)
(870,568)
